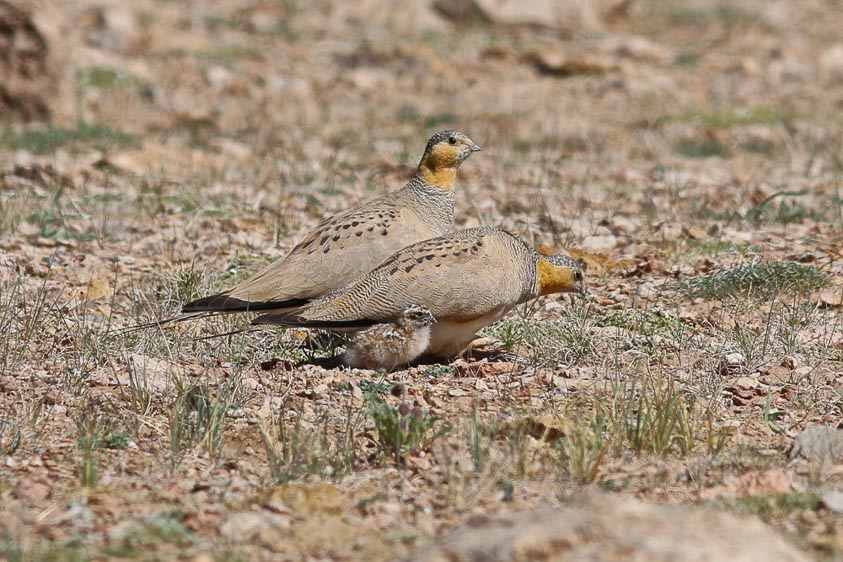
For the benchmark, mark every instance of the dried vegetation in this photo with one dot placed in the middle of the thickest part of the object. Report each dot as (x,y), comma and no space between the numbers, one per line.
(692,159)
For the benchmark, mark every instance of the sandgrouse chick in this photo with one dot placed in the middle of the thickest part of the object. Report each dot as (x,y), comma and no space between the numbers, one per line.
(467,279)
(351,243)
(387,346)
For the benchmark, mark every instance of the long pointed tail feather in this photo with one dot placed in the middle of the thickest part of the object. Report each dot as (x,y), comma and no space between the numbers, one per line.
(222,302)
(218,304)
(163,322)
(224,334)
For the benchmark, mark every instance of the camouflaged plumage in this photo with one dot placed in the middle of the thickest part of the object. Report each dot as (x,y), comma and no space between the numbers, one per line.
(467,279)
(350,243)
(387,346)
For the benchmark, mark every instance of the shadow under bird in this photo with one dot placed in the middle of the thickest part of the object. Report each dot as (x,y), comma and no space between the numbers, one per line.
(349,244)
(467,280)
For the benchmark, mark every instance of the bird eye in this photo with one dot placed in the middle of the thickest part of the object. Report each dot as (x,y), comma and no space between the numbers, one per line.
(452,140)
(579,276)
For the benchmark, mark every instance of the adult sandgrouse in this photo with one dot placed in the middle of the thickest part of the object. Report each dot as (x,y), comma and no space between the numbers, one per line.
(351,243)
(467,279)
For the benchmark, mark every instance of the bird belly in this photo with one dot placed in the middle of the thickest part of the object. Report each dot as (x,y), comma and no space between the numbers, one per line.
(449,337)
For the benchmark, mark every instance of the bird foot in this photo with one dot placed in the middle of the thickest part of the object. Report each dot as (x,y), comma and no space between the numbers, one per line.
(479,342)
(491,352)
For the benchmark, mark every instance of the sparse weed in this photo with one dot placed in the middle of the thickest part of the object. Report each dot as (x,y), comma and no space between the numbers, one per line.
(702,148)
(105,78)
(10,437)
(46,140)
(152,532)
(67,550)
(87,435)
(782,207)
(791,323)
(297,447)
(22,314)
(23,425)
(86,337)
(241,267)
(51,221)
(18,203)
(197,419)
(517,452)
(729,118)
(774,505)
(229,554)
(403,429)
(136,392)
(716,246)
(583,448)
(653,420)
(100,431)
(759,146)
(478,454)
(656,328)
(182,286)
(229,55)
(567,339)
(647,416)
(760,279)
(96,430)
(702,14)
(766,334)
(770,416)
(374,388)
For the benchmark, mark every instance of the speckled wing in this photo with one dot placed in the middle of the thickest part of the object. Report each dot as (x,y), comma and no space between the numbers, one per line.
(462,276)
(332,255)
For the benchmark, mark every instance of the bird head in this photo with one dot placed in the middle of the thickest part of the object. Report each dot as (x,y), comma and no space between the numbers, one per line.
(444,153)
(417,316)
(560,273)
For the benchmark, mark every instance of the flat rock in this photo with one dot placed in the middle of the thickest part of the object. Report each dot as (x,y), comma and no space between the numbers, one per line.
(819,444)
(310,498)
(607,528)
(636,47)
(833,500)
(731,364)
(831,62)
(553,14)
(556,62)
(263,527)
(831,297)
(599,242)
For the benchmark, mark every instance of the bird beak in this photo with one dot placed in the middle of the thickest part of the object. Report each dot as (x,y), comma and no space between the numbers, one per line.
(474,148)
(583,292)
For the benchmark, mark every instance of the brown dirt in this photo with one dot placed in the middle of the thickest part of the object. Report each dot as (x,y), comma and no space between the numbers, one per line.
(669,143)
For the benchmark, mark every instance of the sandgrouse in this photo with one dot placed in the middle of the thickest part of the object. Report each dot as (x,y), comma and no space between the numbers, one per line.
(351,243)
(467,279)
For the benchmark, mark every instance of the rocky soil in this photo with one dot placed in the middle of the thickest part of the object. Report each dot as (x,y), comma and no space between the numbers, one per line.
(690,153)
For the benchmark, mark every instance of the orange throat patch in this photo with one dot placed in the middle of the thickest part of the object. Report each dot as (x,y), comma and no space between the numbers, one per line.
(444,178)
(554,279)
(439,167)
